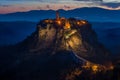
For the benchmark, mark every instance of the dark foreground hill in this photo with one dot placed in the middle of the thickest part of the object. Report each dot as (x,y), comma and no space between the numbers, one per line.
(59,49)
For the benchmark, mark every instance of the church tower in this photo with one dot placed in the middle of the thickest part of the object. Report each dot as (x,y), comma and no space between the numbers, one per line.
(57,15)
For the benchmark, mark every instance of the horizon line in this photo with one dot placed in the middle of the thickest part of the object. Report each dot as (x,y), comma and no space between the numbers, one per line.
(115,9)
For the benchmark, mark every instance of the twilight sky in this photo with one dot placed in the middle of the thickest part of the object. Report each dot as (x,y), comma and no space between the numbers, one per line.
(10,6)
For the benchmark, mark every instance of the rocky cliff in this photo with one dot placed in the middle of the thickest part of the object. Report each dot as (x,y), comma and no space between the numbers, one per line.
(53,35)
(59,49)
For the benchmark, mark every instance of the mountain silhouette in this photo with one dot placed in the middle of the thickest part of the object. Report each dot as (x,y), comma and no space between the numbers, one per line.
(93,14)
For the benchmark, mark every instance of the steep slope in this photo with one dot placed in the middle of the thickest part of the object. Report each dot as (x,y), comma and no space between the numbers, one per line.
(66,34)
(59,49)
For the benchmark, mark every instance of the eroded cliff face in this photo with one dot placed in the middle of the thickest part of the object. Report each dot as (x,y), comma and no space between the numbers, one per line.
(74,35)
(59,49)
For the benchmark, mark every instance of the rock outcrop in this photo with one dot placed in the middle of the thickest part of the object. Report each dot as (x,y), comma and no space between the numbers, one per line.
(59,49)
(53,35)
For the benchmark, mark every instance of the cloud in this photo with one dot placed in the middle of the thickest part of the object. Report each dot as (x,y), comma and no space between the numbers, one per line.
(39,7)
(66,7)
(111,5)
(88,0)
(48,6)
(5,5)
(112,1)
(9,6)
(22,7)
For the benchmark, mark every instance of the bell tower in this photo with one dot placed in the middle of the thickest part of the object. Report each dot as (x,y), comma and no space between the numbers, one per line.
(57,15)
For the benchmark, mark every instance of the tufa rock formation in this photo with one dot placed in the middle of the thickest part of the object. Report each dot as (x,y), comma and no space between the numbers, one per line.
(59,49)
(61,34)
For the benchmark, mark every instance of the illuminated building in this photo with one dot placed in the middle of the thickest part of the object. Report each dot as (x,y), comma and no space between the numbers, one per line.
(67,25)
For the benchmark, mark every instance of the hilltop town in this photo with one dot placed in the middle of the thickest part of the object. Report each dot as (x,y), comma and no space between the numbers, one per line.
(61,49)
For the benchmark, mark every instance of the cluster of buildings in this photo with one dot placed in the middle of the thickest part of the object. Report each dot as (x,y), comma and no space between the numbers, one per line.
(63,22)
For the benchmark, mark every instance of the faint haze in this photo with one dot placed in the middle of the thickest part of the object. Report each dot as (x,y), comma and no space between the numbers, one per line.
(10,6)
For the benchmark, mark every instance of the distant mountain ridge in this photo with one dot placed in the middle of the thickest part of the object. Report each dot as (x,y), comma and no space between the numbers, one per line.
(92,14)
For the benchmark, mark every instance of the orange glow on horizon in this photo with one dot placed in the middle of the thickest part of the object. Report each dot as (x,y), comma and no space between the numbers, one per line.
(43,6)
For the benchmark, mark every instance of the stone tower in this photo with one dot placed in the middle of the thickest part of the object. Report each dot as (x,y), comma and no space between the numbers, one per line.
(57,15)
